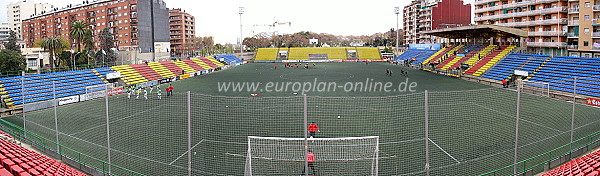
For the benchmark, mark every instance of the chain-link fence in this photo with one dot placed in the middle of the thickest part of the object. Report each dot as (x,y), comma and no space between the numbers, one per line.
(453,133)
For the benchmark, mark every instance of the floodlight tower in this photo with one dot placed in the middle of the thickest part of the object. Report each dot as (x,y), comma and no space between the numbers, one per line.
(241,35)
(397,11)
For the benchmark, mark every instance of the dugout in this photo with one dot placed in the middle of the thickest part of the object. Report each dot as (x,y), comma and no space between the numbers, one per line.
(481,34)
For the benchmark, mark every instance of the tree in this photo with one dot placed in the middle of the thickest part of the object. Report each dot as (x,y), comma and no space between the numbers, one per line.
(80,32)
(256,42)
(54,45)
(11,44)
(11,60)
(106,54)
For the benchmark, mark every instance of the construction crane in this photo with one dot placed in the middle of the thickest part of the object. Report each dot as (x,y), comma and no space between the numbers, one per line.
(272,26)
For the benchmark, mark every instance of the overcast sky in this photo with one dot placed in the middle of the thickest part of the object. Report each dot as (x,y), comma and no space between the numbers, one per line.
(220,18)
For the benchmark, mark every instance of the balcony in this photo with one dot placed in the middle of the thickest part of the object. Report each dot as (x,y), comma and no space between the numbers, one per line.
(535,23)
(511,5)
(547,44)
(572,47)
(572,35)
(596,35)
(596,8)
(595,21)
(574,23)
(526,13)
(548,33)
(594,47)
(573,10)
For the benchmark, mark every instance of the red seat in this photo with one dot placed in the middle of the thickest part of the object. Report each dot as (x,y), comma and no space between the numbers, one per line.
(593,173)
(15,169)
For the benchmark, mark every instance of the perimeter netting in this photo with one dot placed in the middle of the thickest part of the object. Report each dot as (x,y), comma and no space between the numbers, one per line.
(333,156)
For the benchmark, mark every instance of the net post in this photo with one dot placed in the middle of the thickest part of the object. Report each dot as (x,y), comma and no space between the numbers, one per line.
(573,110)
(376,157)
(189,133)
(55,116)
(107,127)
(23,100)
(305,134)
(427,132)
(518,117)
(249,160)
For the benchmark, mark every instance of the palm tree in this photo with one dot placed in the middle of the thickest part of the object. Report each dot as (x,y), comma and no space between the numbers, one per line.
(53,45)
(80,33)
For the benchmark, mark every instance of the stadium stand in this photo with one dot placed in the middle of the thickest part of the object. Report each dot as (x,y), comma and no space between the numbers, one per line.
(129,75)
(588,165)
(146,71)
(447,55)
(228,58)
(468,51)
(193,64)
(489,61)
(365,53)
(316,53)
(482,54)
(172,67)
(438,54)
(103,71)
(160,69)
(215,61)
(201,63)
(32,88)
(560,72)
(208,62)
(184,66)
(267,54)
(515,61)
(19,161)
(418,55)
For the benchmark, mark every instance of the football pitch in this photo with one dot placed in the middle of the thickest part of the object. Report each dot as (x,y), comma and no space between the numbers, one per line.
(471,126)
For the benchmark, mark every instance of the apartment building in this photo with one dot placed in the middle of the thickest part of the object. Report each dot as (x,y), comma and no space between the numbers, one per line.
(130,22)
(21,10)
(545,20)
(421,16)
(182,28)
(583,37)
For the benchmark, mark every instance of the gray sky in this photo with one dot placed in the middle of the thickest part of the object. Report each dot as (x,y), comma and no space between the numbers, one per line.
(220,18)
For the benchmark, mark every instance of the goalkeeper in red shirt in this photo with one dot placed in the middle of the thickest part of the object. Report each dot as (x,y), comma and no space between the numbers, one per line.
(312,129)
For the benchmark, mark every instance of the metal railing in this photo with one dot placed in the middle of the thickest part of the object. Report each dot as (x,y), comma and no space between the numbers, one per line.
(547,44)
(526,13)
(573,10)
(533,23)
(572,35)
(572,46)
(573,22)
(548,33)
(596,34)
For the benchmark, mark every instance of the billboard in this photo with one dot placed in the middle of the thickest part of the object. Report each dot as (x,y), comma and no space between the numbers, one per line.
(425,46)
(593,101)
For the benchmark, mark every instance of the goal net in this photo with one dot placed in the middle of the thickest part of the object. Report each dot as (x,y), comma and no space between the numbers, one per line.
(333,156)
(95,91)
(538,88)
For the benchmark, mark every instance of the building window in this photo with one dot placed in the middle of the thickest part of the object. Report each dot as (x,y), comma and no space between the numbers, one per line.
(31,62)
(587,17)
(587,4)
(586,30)
(586,43)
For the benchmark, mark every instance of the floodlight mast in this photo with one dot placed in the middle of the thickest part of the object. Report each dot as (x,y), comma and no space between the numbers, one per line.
(397,11)
(241,34)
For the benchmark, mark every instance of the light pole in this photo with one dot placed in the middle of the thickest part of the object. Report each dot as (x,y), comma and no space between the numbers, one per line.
(397,11)
(241,35)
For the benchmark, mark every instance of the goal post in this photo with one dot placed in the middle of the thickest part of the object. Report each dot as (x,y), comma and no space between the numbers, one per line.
(95,91)
(333,156)
(534,87)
